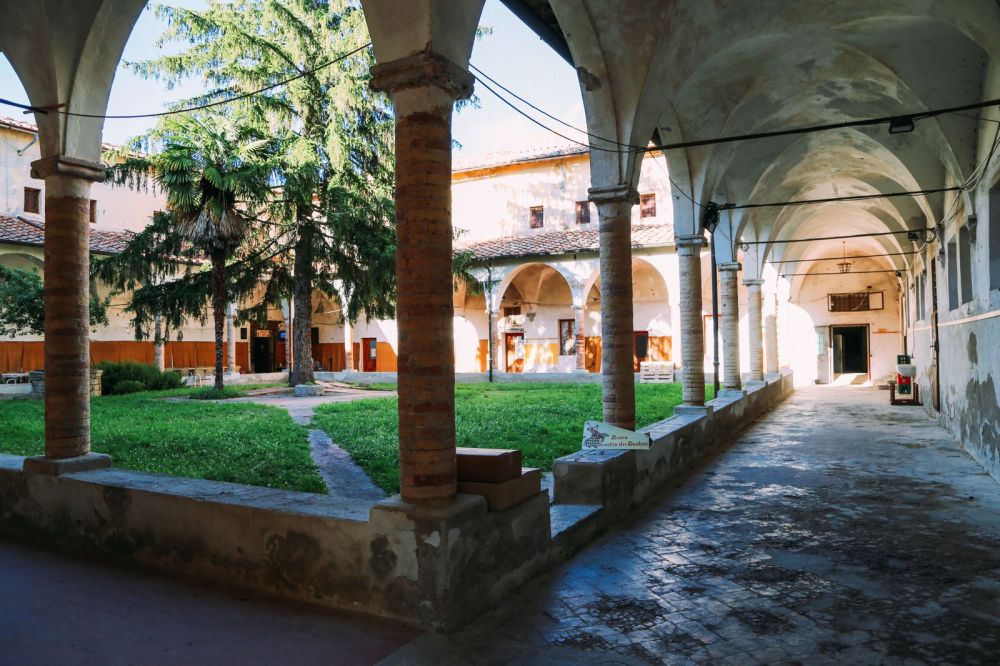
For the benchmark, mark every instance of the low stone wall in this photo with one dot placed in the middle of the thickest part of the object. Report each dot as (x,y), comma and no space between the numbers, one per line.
(620,480)
(437,566)
(419,565)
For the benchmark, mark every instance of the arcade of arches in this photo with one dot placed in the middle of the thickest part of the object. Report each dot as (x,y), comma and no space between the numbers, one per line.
(927,262)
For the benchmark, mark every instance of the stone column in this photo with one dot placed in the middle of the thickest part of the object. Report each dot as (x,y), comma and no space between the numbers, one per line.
(581,338)
(692,323)
(67,315)
(424,87)
(771,335)
(729,323)
(614,208)
(348,345)
(231,338)
(755,326)
(158,343)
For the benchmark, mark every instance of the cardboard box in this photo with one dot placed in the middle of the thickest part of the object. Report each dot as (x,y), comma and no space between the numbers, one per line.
(500,496)
(488,465)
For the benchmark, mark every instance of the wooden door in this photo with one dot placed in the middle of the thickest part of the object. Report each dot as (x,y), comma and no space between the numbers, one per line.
(369,348)
(514,352)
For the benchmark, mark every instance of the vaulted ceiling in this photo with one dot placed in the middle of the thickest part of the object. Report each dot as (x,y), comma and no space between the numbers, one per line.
(682,70)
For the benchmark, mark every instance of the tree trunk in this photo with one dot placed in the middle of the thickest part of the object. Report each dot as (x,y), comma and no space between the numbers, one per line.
(219,310)
(302,361)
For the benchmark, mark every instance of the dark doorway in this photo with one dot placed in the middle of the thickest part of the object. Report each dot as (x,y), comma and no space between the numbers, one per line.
(262,353)
(640,351)
(850,349)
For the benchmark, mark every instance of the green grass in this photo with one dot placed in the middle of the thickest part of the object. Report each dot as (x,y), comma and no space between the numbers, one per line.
(244,443)
(544,421)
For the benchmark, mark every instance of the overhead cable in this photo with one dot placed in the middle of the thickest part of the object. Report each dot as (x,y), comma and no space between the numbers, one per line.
(56,108)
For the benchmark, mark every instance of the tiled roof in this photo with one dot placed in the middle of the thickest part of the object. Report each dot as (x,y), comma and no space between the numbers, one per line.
(564,242)
(29,232)
(512,157)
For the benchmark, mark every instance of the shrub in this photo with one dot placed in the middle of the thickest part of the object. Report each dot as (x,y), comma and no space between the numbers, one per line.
(147,376)
(128,386)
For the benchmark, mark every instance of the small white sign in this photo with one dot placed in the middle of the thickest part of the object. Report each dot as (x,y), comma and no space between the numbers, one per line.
(598,435)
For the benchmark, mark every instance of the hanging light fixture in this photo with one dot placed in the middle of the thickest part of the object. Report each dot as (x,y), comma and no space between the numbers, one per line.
(845,265)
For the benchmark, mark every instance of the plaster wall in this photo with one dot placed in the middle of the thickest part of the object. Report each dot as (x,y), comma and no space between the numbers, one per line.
(118,208)
(495,201)
(808,350)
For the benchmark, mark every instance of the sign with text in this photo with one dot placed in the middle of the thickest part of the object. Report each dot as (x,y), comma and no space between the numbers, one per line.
(597,435)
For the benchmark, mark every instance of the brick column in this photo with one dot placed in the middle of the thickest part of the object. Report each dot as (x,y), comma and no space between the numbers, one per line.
(231,338)
(729,324)
(771,335)
(692,324)
(67,314)
(614,207)
(581,339)
(755,326)
(423,88)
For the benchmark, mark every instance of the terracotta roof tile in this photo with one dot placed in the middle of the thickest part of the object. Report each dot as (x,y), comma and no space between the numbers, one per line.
(563,242)
(28,232)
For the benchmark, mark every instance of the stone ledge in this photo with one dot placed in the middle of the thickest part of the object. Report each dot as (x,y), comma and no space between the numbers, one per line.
(61,466)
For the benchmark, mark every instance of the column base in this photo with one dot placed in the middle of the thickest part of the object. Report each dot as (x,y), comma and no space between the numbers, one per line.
(60,466)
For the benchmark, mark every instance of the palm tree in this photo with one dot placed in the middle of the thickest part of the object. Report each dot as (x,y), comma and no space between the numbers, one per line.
(217,174)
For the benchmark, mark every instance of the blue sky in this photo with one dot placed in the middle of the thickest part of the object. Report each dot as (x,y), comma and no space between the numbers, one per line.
(512,55)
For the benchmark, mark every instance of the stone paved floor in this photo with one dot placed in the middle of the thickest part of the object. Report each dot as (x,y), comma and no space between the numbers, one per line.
(60,610)
(839,530)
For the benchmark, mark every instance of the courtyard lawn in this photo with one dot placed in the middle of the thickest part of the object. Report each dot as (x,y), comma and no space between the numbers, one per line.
(244,443)
(544,421)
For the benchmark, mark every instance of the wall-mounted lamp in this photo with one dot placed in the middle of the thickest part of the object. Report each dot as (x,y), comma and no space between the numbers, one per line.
(901,125)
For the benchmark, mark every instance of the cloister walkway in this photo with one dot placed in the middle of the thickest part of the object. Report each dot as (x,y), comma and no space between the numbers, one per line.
(836,530)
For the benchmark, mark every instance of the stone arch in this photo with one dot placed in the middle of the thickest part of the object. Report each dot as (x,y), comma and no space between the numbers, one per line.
(544,295)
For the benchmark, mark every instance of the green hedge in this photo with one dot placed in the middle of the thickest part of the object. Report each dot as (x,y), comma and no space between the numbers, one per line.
(130,377)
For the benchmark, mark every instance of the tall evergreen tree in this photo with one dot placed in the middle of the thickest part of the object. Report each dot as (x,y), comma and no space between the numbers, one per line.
(333,210)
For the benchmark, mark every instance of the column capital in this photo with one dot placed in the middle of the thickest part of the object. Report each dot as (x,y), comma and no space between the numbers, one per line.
(690,242)
(615,194)
(733,266)
(426,68)
(753,282)
(63,165)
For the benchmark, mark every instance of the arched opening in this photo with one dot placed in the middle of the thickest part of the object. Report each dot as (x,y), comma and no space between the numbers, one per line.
(536,324)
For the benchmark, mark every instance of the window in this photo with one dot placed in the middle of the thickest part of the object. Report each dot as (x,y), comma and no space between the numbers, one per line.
(965,263)
(314,335)
(647,205)
(243,333)
(537,217)
(952,274)
(583,212)
(93,211)
(567,337)
(31,200)
(920,300)
(511,310)
(857,302)
(995,237)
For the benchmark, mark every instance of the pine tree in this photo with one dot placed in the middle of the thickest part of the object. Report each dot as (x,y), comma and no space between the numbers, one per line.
(332,213)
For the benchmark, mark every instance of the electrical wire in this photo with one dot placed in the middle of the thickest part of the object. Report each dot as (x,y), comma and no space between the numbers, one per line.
(857,256)
(198,107)
(856,197)
(826,238)
(888,270)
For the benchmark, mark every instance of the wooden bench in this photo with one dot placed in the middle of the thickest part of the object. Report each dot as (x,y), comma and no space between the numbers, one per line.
(656,372)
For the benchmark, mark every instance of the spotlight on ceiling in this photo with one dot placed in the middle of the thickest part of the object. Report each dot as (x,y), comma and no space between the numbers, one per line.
(901,125)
